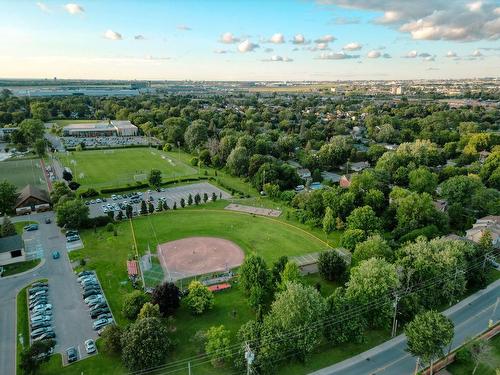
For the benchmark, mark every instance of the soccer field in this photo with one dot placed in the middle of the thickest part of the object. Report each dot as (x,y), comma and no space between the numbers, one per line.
(23,172)
(119,167)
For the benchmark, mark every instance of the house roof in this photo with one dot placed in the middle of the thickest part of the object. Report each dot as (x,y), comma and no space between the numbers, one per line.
(30,191)
(344,182)
(11,243)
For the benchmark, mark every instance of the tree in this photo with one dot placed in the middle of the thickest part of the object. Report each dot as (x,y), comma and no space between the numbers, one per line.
(174,207)
(149,310)
(422,180)
(33,356)
(332,266)
(31,130)
(334,153)
(144,207)
(253,272)
(73,185)
(167,297)
(40,147)
(372,281)
(132,304)
(183,203)
(128,211)
(364,218)
(328,221)
(480,351)
(250,332)
(72,214)
(159,207)
(145,344)
(119,216)
(351,237)
(205,197)
(190,200)
(8,197)
(295,310)
(428,334)
(154,178)
(166,207)
(197,199)
(40,111)
(8,229)
(373,247)
(291,274)
(196,135)
(199,298)
(217,345)
(60,190)
(151,208)
(214,197)
(111,339)
(278,268)
(237,161)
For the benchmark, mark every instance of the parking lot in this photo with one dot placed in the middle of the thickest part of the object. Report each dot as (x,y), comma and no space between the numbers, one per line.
(175,194)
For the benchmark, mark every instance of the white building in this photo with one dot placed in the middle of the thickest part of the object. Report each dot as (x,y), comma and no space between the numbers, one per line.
(112,128)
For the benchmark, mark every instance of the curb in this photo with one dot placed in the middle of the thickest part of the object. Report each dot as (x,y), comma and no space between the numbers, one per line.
(42,263)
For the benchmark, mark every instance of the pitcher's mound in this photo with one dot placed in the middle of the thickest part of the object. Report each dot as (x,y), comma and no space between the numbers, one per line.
(197,256)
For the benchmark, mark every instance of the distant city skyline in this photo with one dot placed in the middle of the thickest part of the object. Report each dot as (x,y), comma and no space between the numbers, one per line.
(250,40)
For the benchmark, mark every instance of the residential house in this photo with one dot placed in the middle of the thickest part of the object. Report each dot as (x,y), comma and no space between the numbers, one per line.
(11,250)
(487,223)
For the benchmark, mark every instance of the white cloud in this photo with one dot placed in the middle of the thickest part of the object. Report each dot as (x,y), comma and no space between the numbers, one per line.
(451,54)
(112,35)
(477,53)
(43,7)
(247,46)
(72,8)
(474,6)
(325,39)
(354,46)
(221,51)
(463,20)
(277,38)
(319,47)
(345,21)
(373,54)
(336,56)
(229,38)
(411,54)
(139,37)
(278,58)
(299,39)
(183,28)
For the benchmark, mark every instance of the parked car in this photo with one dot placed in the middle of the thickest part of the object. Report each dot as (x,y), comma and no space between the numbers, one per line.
(37,289)
(90,346)
(56,255)
(72,232)
(105,316)
(42,307)
(47,220)
(38,294)
(40,331)
(95,313)
(98,305)
(91,299)
(40,324)
(40,318)
(37,302)
(72,354)
(39,283)
(31,227)
(72,238)
(84,273)
(98,324)
(91,292)
(45,336)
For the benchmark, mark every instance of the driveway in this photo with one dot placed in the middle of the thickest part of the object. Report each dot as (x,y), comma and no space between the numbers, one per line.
(71,320)
(174,194)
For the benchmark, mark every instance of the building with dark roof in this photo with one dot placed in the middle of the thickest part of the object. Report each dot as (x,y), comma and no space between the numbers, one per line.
(31,197)
(11,250)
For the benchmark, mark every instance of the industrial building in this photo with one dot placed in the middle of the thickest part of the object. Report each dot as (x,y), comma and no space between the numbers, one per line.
(111,128)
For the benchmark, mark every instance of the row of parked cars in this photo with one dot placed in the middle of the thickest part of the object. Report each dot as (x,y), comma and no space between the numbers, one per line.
(93,296)
(72,236)
(40,311)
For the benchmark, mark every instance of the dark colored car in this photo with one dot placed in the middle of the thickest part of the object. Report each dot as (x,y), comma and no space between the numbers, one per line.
(84,273)
(37,289)
(45,336)
(97,306)
(37,325)
(39,283)
(47,220)
(90,292)
(72,354)
(95,313)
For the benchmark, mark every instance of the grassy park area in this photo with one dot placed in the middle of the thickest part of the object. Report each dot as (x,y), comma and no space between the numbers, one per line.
(15,268)
(23,172)
(121,167)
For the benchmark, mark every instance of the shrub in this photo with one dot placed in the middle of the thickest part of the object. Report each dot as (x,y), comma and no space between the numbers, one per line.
(132,304)
(199,298)
(332,266)
(110,227)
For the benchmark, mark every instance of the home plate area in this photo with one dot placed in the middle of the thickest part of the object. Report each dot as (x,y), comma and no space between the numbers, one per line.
(198,256)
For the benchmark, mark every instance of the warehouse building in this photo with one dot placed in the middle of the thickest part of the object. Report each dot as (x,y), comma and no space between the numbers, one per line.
(112,128)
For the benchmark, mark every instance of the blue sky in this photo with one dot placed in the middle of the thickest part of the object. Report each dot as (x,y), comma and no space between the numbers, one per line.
(250,40)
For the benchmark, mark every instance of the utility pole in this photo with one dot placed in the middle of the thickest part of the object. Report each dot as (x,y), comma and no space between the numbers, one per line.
(249,357)
(490,321)
(189,367)
(394,320)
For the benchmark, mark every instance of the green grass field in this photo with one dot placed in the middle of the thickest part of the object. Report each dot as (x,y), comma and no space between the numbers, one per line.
(23,172)
(15,268)
(120,167)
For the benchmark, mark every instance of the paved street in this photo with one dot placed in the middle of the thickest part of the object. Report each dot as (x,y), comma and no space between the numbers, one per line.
(174,194)
(470,316)
(71,320)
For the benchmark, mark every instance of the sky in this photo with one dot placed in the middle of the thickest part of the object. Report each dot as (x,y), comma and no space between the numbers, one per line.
(274,40)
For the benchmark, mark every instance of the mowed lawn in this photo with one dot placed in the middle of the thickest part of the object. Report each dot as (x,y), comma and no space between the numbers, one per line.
(23,172)
(120,167)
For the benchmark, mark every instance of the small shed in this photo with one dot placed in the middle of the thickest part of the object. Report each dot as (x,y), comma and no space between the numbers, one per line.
(132,268)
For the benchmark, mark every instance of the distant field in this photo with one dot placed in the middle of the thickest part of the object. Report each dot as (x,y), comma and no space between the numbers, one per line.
(119,167)
(23,172)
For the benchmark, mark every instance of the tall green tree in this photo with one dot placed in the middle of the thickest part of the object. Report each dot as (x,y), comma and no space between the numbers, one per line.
(8,229)
(145,344)
(34,355)
(218,346)
(328,221)
(364,218)
(428,334)
(332,266)
(199,298)
(154,178)
(72,214)
(167,296)
(8,197)
(373,247)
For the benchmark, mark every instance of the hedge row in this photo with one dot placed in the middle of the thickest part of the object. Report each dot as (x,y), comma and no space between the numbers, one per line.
(146,185)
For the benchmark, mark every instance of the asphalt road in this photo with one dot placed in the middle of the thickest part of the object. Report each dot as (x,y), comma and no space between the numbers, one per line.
(174,194)
(470,316)
(71,320)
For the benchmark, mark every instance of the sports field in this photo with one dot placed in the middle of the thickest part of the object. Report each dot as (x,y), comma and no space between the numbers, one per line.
(23,172)
(119,167)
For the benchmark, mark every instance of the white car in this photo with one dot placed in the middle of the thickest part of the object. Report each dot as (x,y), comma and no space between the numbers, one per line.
(42,308)
(90,346)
